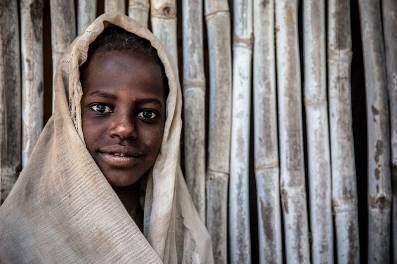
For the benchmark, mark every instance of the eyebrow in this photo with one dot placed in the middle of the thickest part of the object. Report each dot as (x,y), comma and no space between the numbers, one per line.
(150,100)
(112,96)
(101,94)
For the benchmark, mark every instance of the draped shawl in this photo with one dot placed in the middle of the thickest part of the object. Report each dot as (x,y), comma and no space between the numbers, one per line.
(63,210)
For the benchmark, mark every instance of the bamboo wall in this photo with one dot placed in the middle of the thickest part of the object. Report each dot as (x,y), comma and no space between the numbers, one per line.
(290,115)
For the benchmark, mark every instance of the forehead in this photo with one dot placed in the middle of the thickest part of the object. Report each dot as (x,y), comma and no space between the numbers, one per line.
(115,70)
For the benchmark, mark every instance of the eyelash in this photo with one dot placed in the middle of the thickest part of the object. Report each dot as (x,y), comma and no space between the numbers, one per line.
(154,114)
(141,114)
(94,107)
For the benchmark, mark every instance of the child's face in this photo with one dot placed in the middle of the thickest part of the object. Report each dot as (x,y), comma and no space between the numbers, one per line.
(123,114)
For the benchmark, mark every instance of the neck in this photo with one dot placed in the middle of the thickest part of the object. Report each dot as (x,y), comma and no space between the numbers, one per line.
(129,196)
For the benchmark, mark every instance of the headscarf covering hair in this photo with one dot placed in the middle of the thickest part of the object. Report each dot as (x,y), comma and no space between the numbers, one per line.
(63,210)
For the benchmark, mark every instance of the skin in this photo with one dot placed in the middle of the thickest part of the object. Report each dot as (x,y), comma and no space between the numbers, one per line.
(123,117)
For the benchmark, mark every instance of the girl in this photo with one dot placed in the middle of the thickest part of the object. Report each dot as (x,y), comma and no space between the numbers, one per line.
(106,165)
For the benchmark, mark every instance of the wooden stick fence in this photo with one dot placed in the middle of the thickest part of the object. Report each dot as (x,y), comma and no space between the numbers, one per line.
(86,12)
(10,90)
(220,84)
(379,181)
(115,6)
(194,102)
(318,149)
(266,162)
(139,10)
(280,116)
(344,190)
(32,74)
(163,21)
(239,218)
(292,174)
(63,30)
(390,34)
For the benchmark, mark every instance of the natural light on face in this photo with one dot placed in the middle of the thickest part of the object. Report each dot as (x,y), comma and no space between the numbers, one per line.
(123,114)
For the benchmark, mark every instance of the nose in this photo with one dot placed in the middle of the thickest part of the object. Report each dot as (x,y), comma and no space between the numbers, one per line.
(124,127)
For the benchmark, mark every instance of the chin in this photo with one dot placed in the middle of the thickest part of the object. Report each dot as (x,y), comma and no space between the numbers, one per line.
(122,180)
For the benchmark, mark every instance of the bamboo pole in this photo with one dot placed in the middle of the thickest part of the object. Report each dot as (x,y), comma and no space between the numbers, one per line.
(86,12)
(239,218)
(390,35)
(115,6)
(344,190)
(379,181)
(220,85)
(292,174)
(163,20)
(316,109)
(266,160)
(63,30)
(194,102)
(10,105)
(32,74)
(139,10)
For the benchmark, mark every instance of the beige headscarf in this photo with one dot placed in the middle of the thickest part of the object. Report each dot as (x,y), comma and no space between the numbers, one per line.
(62,209)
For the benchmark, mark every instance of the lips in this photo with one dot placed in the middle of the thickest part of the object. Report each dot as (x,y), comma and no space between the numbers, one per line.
(120,156)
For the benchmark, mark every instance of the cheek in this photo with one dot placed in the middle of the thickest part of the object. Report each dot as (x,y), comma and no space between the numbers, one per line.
(152,139)
(92,131)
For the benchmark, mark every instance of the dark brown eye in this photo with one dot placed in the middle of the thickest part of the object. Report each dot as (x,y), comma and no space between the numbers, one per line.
(147,115)
(100,108)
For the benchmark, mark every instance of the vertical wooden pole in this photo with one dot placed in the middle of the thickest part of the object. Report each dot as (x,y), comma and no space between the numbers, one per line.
(139,10)
(315,100)
(163,19)
(10,90)
(194,102)
(390,34)
(266,160)
(63,30)
(86,12)
(32,74)
(220,95)
(344,188)
(115,6)
(379,180)
(292,174)
(239,223)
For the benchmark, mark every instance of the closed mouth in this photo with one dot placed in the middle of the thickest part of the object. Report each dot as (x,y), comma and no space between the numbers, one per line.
(120,156)
(118,161)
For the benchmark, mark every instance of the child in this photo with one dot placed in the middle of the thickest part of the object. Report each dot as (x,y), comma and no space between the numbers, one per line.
(123,110)
(116,127)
